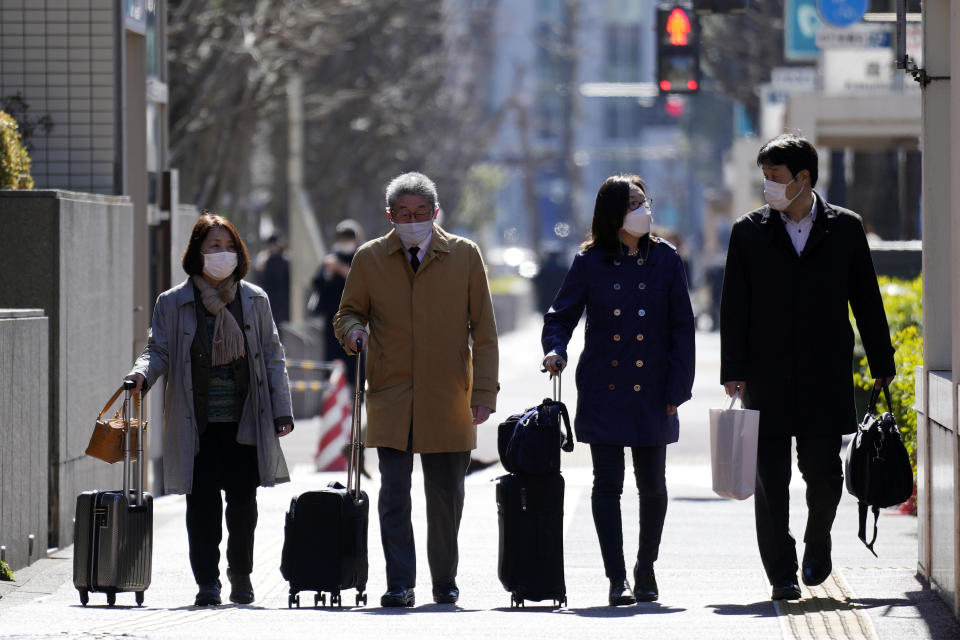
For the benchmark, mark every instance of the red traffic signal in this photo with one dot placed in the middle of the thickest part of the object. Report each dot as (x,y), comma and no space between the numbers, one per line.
(678,50)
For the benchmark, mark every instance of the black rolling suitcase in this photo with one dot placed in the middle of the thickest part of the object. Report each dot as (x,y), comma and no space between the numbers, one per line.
(530,513)
(113,530)
(530,516)
(325,534)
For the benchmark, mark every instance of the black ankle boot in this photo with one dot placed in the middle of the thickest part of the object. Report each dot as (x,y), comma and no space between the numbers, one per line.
(645,585)
(620,593)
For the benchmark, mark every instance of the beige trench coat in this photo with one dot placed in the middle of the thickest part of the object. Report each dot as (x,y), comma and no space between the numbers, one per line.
(421,370)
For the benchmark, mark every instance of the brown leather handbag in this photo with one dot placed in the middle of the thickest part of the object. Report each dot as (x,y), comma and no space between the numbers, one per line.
(106,442)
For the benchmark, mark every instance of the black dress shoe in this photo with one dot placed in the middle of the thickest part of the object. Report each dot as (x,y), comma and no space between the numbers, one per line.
(209,594)
(645,585)
(446,595)
(620,593)
(241,589)
(786,591)
(397,598)
(817,564)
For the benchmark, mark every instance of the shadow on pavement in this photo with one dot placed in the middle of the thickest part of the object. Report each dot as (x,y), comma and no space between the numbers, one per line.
(762,609)
(424,608)
(640,609)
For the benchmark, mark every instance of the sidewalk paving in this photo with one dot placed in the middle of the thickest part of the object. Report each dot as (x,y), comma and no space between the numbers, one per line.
(709,572)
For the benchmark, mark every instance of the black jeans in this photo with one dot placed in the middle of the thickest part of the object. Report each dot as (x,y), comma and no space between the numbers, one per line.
(819,461)
(649,465)
(222,464)
(443,475)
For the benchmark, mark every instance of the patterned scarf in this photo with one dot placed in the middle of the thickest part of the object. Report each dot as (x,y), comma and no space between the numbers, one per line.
(227,343)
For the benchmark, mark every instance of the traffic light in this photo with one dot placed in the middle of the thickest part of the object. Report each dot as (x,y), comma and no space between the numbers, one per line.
(678,50)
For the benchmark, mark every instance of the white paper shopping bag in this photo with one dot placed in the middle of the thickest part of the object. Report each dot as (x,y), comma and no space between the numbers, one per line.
(733,450)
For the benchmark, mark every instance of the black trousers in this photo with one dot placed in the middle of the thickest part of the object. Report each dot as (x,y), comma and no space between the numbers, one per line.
(222,464)
(819,461)
(443,475)
(649,466)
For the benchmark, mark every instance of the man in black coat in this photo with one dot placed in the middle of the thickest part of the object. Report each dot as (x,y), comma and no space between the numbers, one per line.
(787,348)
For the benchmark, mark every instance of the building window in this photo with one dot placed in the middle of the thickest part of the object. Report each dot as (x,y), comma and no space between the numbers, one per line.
(622,43)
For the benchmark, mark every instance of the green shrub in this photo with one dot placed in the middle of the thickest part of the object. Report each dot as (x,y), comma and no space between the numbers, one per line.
(5,572)
(14,159)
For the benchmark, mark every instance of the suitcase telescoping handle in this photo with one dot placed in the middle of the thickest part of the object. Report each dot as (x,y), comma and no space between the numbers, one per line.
(128,391)
(356,447)
(556,386)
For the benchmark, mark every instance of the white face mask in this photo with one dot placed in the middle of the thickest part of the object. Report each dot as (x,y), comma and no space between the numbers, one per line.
(344,246)
(637,222)
(413,233)
(776,194)
(219,265)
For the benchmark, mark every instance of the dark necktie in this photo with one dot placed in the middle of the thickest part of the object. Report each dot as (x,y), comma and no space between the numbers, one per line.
(414,260)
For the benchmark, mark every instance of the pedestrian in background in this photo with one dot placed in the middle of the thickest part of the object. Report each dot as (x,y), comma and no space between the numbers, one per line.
(786,346)
(272,272)
(324,300)
(635,370)
(328,283)
(226,401)
(414,299)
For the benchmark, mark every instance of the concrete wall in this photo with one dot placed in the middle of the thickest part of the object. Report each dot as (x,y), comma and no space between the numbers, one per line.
(70,255)
(936,513)
(23,435)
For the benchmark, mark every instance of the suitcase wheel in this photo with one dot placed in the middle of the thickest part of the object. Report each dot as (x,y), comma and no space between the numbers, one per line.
(139,595)
(562,602)
(84,597)
(111,598)
(335,600)
(293,600)
(515,601)
(361,598)
(319,599)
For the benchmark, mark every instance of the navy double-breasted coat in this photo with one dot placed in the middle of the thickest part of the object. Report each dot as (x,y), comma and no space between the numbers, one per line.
(638,355)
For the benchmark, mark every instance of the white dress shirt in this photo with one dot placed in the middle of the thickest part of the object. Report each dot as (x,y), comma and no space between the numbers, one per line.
(423,248)
(799,231)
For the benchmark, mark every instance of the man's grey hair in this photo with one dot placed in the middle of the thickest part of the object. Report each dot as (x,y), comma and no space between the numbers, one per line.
(414,184)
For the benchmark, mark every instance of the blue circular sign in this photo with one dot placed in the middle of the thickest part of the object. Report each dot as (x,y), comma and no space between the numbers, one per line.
(842,13)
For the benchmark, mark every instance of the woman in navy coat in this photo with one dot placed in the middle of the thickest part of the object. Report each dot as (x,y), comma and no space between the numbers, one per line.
(635,370)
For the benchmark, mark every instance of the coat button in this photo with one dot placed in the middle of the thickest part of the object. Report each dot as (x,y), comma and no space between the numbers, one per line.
(639,337)
(616,312)
(637,387)
(616,263)
(642,286)
(639,363)
(616,286)
(616,337)
(611,387)
(641,313)
(640,261)
(614,363)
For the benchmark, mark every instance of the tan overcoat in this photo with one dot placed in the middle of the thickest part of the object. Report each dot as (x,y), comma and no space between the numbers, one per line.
(421,369)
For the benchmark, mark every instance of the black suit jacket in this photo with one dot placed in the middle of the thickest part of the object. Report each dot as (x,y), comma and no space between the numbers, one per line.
(784,321)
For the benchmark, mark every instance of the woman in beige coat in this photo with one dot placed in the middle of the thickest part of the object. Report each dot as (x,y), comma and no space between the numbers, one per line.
(226,401)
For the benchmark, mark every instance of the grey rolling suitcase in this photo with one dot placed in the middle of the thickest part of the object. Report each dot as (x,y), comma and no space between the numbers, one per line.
(113,531)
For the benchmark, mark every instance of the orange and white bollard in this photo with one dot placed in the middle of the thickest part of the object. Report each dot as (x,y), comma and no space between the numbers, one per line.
(335,413)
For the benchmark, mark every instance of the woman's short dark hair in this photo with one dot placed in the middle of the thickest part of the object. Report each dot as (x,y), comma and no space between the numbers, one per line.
(792,150)
(193,259)
(613,199)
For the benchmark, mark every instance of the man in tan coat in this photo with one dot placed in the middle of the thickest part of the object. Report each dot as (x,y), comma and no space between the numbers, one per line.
(413,300)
